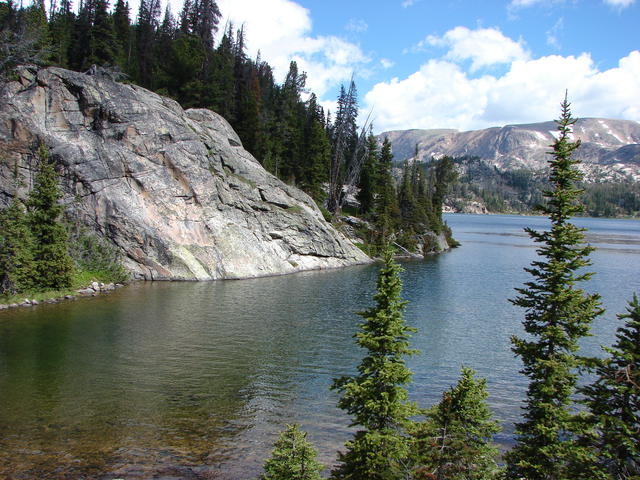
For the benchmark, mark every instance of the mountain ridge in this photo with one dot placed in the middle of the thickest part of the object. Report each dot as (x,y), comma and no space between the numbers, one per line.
(610,149)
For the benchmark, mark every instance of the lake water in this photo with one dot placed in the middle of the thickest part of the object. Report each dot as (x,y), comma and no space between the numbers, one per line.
(194,380)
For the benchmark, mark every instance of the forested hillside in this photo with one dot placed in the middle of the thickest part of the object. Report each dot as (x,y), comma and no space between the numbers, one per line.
(484,187)
(326,154)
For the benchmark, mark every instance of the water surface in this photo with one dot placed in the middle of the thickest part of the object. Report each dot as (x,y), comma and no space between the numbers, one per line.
(194,380)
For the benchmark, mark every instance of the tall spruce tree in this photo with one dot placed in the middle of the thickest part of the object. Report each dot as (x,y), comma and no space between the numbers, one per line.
(104,48)
(16,250)
(293,458)
(613,401)
(455,442)
(557,316)
(386,204)
(376,397)
(367,183)
(52,263)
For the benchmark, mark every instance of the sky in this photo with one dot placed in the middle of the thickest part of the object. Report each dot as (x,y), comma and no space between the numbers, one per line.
(463,64)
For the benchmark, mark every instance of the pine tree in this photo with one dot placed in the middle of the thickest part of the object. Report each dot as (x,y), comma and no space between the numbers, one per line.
(614,404)
(376,397)
(61,27)
(386,207)
(455,440)
(368,176)
(442,175)
(293,458)
(557,316)
(53,266)
(122,31)
(16,250)
(344,140)
(103,45)
(316,151)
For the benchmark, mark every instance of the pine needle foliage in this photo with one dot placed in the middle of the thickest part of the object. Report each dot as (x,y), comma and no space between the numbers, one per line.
(557,315)
(53,265)
(455,440)
(293,458)
(613,401)
(376,397)
(16,250)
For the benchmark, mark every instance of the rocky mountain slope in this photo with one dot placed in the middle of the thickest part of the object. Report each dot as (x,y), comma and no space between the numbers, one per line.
(610,149)
(174,190)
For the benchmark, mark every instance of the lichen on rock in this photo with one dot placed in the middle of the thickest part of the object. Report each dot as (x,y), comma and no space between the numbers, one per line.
(174,190)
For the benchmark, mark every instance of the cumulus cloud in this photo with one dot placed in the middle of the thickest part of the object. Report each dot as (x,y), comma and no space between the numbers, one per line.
(281,31)
(442,95)
(483,46)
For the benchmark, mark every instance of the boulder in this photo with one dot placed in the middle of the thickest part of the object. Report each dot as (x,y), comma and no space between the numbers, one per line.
(172,189)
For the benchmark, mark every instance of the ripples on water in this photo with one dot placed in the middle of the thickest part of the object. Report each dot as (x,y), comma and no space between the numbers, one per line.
(194,380)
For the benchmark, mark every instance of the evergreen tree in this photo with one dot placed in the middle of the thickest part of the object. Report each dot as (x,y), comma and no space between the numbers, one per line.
(455,440)
(293,458)
(344,142)
(376,397)
(614,404)
(16,250)
(103,45)
(122,31)
(80,50)
(61,27)
(387,211)
(316,151)
(558,315)
(145,36)
(52,264)
(368,176)
(442,175)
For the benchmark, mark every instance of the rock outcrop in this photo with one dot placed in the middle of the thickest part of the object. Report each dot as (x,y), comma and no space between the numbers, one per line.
(174,190)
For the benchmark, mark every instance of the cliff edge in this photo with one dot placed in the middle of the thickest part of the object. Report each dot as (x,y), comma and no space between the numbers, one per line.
(173,189)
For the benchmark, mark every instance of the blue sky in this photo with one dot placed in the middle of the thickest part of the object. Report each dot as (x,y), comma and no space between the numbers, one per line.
(455,63)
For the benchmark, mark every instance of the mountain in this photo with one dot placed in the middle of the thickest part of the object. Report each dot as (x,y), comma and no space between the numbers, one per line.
(172,189)
(610,149)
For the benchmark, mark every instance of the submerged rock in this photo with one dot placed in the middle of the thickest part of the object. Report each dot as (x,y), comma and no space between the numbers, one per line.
(174,190)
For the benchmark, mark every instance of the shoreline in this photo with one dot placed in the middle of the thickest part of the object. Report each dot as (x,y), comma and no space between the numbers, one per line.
(92,290)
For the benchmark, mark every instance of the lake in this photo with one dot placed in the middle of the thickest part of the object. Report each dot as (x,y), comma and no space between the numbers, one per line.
(194,380)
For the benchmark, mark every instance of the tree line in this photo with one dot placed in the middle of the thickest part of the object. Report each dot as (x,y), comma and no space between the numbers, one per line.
(283,125)
(568,432)
(519,191)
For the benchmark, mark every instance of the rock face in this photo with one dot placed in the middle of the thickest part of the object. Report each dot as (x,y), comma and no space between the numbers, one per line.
(610,149)
(174,190)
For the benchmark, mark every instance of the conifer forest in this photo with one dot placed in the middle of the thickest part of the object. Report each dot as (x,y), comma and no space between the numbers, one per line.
(580,418)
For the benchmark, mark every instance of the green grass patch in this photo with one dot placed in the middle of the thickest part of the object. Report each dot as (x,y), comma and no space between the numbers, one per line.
(80,279)
(295,209)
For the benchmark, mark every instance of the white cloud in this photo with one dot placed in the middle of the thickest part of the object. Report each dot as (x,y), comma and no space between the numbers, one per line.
(517,4)
(619,3)
(483,46)
(386,63)
(281,31)
(442,95)
(356,25)
(554,32)
(408,3)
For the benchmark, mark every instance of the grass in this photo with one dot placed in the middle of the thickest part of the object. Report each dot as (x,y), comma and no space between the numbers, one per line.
(81,278)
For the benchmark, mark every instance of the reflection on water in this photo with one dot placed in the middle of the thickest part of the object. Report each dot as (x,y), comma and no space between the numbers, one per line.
(193,380)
